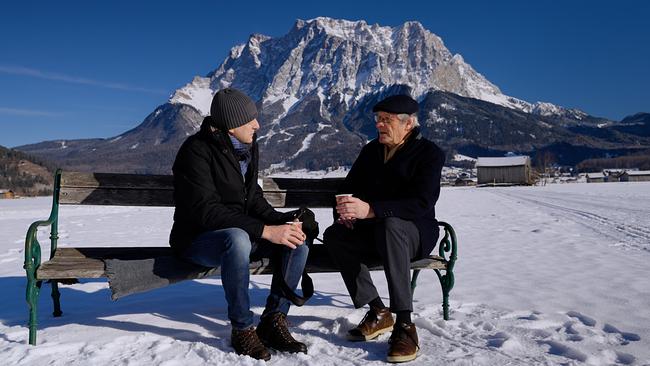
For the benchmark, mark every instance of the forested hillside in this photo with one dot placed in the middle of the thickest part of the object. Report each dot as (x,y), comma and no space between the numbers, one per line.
(24,174)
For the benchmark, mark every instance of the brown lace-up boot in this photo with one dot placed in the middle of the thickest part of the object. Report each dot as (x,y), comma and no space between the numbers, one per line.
(274,332)
(247,343)
(373,324)
(404,344)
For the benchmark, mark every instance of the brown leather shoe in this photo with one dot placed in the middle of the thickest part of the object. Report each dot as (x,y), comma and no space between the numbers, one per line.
(373,324)
(246,343)
(404,344)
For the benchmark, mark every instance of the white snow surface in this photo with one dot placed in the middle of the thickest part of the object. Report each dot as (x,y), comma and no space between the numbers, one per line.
(554,275)
(502,161)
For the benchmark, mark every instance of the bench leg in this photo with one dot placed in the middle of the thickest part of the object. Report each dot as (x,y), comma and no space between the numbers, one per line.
(414,280)
(446,283)
(56,296)
(33,290)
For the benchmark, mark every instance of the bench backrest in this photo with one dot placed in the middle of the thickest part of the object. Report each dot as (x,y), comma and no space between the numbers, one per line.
(157,190)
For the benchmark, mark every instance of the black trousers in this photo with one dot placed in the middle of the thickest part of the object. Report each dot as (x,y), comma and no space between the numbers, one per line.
(392,241)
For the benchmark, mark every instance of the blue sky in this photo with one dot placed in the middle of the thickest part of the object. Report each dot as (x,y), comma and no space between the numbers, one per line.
(84,69)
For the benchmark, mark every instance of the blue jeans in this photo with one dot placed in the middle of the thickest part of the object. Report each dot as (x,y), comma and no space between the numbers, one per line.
(232,250)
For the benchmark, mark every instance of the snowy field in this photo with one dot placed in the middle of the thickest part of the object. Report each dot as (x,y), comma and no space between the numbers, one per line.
(554,275)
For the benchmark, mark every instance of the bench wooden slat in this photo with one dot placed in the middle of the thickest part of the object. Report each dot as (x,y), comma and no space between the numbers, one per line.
(117,197)
(140,181)
(112,252)
(302,184)
(165,198)
(114,180)
(300,198)
(71,268)
(422,264)
(158,190)
(88,262)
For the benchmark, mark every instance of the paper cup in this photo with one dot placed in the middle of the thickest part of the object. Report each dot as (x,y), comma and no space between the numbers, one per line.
(339,196)
(299,223)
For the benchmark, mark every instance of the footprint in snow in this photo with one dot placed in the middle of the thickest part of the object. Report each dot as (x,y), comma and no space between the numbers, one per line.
(571,333)
(529,317)
(559,349)
(590,322)
(627,337)
(497,340)
(624,358)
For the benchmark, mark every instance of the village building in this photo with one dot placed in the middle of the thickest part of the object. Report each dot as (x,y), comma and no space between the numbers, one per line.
(597,177)
(507,170)
(613,175)
(635,176)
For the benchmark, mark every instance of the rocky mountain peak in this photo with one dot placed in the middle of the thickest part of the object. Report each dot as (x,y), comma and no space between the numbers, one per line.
(343,58)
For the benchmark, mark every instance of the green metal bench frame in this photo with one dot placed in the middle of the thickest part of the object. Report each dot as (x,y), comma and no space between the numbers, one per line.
(280,192)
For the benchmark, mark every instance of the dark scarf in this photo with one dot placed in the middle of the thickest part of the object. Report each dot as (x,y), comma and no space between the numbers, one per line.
(242,153)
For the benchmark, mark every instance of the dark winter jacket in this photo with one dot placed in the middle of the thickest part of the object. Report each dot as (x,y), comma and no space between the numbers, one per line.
(210,192)
(407,186)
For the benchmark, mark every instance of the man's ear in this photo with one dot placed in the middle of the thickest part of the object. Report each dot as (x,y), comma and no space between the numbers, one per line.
(410,124)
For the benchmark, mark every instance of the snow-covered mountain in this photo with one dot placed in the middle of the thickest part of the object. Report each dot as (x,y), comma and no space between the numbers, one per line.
(315,87)
(342,61)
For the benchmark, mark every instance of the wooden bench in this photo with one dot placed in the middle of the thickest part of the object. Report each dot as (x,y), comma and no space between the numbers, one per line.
(68,264)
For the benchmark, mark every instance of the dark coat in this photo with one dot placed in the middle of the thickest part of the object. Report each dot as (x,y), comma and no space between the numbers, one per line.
(407,186)
(210,192)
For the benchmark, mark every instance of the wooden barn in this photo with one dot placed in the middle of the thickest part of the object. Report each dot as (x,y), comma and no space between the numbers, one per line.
(636,176)
(507,170)
(613,175)
(598,177)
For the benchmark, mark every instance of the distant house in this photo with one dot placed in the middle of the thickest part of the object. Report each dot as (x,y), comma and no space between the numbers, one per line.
(613,175)
(6,193)
(507,170)
(636,176)
(463,182)
(596,177)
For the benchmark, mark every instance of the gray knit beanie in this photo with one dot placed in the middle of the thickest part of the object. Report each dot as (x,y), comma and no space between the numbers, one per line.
(231,108)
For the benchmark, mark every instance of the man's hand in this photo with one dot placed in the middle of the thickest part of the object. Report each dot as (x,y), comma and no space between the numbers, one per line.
(288,235)
(347,223)
(352,208)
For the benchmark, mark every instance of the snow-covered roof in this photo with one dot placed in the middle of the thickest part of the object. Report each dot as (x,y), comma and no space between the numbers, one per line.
(505,161)
(638,172)
(459,157)
(595,175)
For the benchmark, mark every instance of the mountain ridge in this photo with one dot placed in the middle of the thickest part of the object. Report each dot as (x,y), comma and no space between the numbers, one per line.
(315,87)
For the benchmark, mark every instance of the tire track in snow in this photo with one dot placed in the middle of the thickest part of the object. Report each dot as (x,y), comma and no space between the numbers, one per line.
(634,236)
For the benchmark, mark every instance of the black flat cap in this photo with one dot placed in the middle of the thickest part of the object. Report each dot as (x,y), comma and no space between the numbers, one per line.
(397,104)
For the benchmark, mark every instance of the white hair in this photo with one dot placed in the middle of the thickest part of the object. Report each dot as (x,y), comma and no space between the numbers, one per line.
(403,116)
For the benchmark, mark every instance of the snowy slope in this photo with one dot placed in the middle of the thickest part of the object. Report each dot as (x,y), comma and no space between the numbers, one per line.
(546,276)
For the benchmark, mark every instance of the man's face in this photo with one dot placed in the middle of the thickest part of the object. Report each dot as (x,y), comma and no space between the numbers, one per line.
(244,133)
(391,129)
